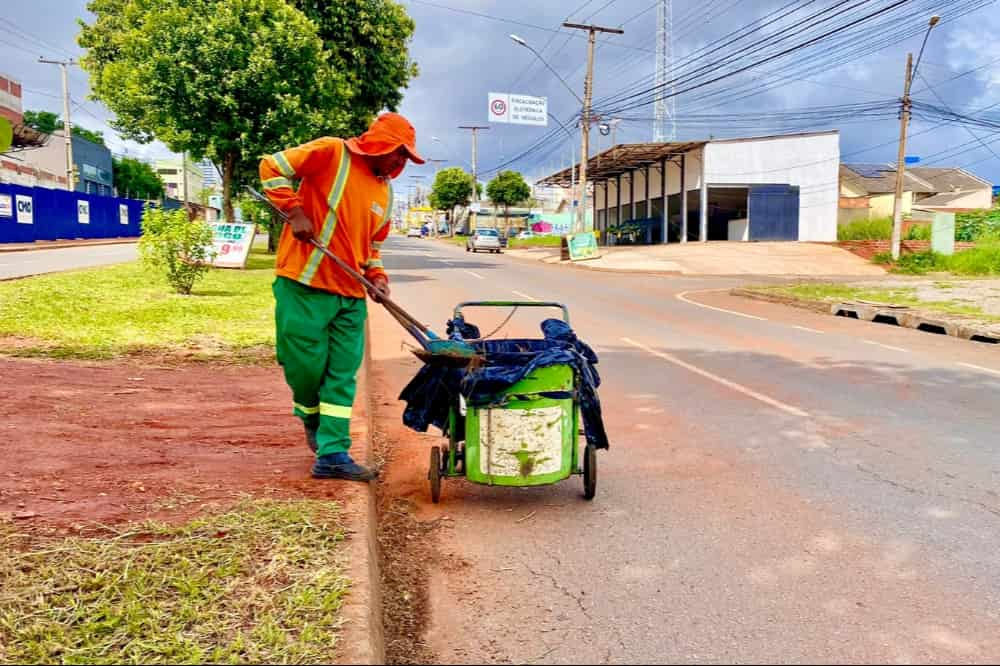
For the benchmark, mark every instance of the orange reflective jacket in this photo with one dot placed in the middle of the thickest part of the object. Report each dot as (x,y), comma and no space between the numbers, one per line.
(349,207)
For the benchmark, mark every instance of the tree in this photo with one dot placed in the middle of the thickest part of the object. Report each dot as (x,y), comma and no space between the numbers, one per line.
(90,135)
(508,189)
(218,78)
(452,187)
(48,122)
(136,179)
(178,245)
(45,122)
(367,39)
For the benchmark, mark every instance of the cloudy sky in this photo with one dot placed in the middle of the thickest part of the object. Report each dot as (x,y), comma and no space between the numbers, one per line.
(464,52)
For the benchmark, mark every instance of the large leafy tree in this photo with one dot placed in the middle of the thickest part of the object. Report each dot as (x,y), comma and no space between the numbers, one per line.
(226,79)
(136,179)
(452,187)
(367,41)
(508,189)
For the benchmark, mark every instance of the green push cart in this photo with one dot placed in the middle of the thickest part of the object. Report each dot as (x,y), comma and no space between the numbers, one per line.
(528,435)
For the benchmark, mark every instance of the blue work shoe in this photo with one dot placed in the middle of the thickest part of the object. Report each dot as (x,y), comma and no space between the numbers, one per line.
(341,466)
(311,432)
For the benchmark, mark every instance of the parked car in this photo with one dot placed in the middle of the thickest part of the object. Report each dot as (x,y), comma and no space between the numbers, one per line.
(483,239)
(413,232)
(526,234)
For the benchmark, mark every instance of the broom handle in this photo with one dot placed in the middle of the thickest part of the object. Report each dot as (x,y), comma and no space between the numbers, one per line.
(394,309)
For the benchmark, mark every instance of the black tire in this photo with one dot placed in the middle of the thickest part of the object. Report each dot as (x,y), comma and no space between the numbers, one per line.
(589,472)
(468,249)
(434,474)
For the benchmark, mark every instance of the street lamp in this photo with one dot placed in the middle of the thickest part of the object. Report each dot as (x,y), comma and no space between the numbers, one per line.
(522,42)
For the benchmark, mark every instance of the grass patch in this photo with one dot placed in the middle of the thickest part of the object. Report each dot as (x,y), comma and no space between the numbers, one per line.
(833,293)
(879,229)
(982,260)
(114,310)
(537,241)
(260,584)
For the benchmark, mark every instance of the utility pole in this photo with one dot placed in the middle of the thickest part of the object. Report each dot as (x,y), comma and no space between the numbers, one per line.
(588,87)
(904,119)
(475,177)
(436,169)
(67,128)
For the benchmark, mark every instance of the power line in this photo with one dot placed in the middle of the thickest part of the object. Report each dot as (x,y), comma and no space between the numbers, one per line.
(524,24)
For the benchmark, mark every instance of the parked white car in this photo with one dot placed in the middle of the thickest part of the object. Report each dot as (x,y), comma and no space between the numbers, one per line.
(483,239)
(526,234)
(413,232)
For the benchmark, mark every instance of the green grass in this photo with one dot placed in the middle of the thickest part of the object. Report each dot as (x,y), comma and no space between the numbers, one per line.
(260,584)
(832,293)
(537,241)
(982,260)
(880,229)
(920,232)
(124,309)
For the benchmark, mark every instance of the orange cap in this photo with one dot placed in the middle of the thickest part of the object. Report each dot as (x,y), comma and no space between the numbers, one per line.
(387,133)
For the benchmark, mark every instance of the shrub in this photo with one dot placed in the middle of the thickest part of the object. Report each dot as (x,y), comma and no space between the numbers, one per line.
(919,263)
(919,232)
(882,258)
(977,225)
(880,229)
(181,247)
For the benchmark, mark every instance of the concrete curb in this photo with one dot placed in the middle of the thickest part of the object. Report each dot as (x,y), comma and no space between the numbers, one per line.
(893,315)
(57,245)
(362,640)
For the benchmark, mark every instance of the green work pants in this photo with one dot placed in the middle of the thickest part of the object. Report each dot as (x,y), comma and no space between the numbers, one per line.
(320,343)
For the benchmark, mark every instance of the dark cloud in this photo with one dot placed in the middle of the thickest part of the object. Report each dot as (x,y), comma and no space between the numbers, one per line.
(463,57)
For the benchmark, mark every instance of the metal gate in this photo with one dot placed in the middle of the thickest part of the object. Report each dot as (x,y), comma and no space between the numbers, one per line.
(774,212)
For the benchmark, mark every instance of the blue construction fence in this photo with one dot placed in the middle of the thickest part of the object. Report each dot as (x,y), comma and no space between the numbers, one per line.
(29,214)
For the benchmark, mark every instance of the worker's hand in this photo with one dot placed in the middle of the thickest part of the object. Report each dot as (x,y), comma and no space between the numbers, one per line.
(302,227)
(381,284)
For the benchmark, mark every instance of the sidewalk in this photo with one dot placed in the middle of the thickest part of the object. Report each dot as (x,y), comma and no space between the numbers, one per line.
(55,245)
(720,258)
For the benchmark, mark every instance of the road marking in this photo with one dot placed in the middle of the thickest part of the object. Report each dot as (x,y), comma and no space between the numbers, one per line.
(979,367)
(683,297)
(445,261)
(475,275)
(879,344)
(524,296)
(794,411)
(806,328)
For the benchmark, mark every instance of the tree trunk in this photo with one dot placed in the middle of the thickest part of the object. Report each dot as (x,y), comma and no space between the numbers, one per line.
(228,168)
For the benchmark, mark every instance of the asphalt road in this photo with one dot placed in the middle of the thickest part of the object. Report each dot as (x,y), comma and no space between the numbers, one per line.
(782,486)
(35,262)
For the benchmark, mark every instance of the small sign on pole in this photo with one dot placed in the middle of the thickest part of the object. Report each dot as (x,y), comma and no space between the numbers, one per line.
(231,244)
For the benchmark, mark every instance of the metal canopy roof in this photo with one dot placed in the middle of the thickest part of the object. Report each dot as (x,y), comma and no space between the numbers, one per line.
(622,158)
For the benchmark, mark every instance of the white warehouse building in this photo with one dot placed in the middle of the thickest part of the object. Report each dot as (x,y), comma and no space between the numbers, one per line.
(783,187)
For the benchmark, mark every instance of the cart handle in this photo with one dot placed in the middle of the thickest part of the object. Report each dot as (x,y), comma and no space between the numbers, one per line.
(513,304)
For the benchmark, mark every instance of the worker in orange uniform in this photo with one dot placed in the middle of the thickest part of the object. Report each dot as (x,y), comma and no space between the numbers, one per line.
(344,200)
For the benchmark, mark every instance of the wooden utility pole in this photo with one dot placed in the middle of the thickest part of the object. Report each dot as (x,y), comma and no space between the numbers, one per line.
(475,177)
(904,120)
(588,87)
(67,127)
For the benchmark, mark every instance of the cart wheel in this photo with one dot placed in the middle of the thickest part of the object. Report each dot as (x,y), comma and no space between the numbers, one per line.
(590,472)
(434,474)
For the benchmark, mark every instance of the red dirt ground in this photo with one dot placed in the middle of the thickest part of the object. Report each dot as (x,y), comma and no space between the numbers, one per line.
(85,443)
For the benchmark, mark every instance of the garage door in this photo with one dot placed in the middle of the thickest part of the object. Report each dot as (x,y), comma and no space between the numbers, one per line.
(774,212)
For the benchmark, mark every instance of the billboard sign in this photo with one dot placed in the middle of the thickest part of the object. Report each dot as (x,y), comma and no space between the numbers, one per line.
(518,109)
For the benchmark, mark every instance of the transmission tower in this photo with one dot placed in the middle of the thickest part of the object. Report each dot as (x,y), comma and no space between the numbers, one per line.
(664,123)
